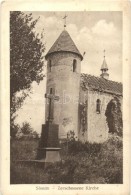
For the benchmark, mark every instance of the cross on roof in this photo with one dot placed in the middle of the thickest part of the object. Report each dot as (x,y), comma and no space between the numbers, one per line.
(65,21)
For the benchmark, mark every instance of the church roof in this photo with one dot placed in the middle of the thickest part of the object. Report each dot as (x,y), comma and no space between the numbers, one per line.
(64,43)
(100,84)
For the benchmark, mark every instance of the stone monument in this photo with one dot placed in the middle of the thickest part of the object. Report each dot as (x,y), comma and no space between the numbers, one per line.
(48,150)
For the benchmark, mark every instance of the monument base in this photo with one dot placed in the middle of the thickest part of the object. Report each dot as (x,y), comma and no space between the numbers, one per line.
(49,150)
(49,155)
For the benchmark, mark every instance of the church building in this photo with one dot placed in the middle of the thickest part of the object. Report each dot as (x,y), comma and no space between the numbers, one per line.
(83,98)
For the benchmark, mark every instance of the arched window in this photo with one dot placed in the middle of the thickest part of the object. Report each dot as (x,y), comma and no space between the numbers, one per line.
(50,65)
(74,65)
(51,90)
(98,106)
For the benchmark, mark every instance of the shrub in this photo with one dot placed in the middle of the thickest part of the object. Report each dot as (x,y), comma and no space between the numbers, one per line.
(26,132)
(77,146)
(14,128)
(23,149)
(26,129)
(82,163)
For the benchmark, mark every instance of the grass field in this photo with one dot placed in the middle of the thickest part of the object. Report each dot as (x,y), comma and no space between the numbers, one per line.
(81,163)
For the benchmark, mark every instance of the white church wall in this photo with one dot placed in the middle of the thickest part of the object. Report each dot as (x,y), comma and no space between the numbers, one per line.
(97,125)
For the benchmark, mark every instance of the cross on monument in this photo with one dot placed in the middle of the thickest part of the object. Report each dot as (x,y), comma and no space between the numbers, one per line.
(48,150)
(51,98)
(65,21)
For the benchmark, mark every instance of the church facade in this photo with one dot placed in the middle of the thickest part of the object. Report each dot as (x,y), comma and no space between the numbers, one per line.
(83,98)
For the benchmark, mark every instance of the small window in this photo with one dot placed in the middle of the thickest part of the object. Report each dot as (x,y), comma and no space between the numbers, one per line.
(50,65)
(98,106)
(51,90)
(74,65)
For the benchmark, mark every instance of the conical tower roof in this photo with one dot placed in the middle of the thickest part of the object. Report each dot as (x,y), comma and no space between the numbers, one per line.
(104,65)
(64,43)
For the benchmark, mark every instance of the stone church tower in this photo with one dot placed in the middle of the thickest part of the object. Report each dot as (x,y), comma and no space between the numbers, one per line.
(63,78)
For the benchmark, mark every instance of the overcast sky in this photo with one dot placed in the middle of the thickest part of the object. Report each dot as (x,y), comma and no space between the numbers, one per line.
(92,32)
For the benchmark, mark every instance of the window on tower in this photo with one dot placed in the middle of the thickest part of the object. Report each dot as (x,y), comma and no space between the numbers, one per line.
(98,106)
(74,65)
(51,90)
(50,65)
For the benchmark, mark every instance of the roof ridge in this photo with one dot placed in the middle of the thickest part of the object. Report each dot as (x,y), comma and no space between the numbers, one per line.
(101,78)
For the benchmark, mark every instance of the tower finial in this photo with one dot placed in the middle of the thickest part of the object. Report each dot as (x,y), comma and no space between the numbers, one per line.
(65,21)
(104,53)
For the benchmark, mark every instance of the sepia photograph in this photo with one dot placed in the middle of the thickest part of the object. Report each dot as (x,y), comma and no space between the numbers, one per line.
(66,97)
